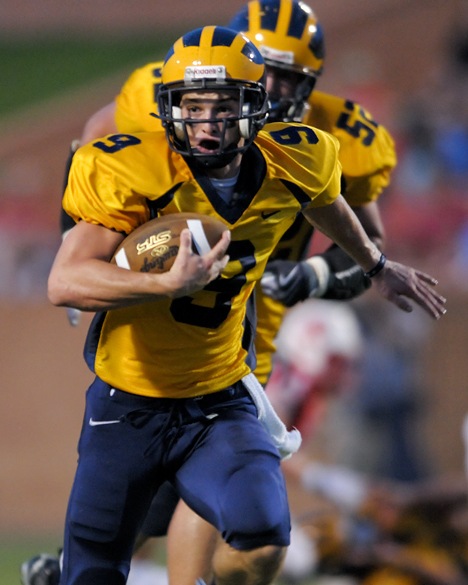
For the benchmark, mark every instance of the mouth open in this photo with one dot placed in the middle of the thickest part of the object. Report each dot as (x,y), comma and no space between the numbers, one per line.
(208,146)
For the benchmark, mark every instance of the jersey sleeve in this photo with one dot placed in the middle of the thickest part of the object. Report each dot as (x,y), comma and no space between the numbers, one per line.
(306,161)
(97,189)
(330,172)
(367,171)
(367,150)
(137,100)
(362,190)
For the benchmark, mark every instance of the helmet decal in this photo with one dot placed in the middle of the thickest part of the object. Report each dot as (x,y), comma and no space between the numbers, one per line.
(269,14)
(298,21)
(317,43)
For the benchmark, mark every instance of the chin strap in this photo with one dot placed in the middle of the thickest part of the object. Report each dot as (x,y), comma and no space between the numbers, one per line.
(287,442)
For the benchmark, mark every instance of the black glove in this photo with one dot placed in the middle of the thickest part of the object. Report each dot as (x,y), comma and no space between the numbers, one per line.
(289,282)
(347,280)
(347,284)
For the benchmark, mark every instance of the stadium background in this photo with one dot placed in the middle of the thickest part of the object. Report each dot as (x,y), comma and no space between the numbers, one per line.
(383,54)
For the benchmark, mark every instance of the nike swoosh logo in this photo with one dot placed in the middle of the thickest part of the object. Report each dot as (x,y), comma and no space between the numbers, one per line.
(266,215)
(96,423)
(283,281)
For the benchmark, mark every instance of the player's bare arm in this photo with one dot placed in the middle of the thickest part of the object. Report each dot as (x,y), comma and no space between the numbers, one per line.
(100,123)
(330,275)
(82,276)
(395,282)
(371,221)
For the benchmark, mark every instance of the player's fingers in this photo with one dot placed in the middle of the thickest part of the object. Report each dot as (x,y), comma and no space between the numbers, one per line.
(426,277)
(218,251)
(425,297)
(217,258)
(185,242)
(219,265)
(430,300)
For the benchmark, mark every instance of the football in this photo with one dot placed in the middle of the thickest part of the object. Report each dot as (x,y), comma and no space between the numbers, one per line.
(153,246)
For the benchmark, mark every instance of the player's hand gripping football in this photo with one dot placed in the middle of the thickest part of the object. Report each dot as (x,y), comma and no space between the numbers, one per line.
(399,283)
(190,271)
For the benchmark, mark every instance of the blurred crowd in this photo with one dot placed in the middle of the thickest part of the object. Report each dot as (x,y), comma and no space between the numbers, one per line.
(428,206)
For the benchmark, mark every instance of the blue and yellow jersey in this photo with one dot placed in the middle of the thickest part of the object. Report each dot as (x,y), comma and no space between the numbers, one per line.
(122,180)
(137,100)
(367,156)
(367,151)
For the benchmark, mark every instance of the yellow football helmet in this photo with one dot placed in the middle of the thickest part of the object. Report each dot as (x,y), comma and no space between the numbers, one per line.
(290,39)
(213,58)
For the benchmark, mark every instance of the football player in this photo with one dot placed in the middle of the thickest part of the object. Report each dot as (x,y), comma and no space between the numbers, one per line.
(350,124)
(169,401)
(291,40)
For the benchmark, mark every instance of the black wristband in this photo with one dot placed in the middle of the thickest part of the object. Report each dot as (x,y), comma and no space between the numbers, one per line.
(378,267)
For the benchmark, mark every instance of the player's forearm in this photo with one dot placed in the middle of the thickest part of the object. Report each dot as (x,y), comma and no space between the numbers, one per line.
(98,286)
(82,276)
(340,224)
(371,221)
(99,124)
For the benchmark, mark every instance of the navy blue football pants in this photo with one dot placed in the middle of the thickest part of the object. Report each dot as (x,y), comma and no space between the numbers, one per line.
(214,451)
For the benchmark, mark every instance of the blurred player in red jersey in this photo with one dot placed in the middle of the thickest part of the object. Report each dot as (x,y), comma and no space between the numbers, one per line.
(319,347)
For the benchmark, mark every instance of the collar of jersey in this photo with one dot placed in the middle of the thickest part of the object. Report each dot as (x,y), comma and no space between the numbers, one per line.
(251,176)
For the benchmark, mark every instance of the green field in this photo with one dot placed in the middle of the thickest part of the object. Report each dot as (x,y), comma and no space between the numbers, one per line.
(34,69)
(13,551)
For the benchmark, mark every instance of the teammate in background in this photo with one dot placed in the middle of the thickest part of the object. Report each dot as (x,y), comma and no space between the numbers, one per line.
(201,163)
(291,41)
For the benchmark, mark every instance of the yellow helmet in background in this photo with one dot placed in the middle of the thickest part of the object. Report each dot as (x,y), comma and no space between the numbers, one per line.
(286,32)
(213,58)
(290,38)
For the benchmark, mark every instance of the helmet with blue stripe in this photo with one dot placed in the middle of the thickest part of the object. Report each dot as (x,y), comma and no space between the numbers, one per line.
(213,58)
(290,39)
